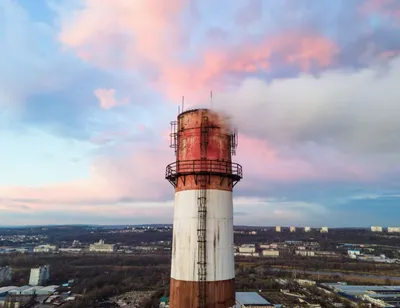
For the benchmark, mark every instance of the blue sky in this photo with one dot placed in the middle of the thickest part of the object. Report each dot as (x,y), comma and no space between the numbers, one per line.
(87,91)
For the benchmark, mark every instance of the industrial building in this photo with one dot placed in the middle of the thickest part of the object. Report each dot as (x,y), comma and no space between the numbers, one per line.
(242,300)
(247,248)
(71,250)
(352,252)
(19,290)
(5,273)
(394,229)
(203,175)
(270,253)
(324,230)
(101,246)
(39,275)
(25,296)
(4,290)
(305,253)
(39,290)
(45,248)
(381,296)
(251,299)
(376,229)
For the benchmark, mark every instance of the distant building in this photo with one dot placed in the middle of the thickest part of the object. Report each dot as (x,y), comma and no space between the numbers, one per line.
(380,296)
(247,254)
(393,229)
(324,230)
(243,300)
(307,229)
(39,276)
(19,290)
(306,282)
(326,254)
(353,252)
(292,229)
(5,273)
(45,248)
(250,248)
(278,229)
(71,250)
(251,299)
(100,246)
(270,253)
(4,291)
(305,253)
(376,228)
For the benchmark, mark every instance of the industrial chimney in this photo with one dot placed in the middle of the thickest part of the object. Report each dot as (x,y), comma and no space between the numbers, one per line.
(203,269)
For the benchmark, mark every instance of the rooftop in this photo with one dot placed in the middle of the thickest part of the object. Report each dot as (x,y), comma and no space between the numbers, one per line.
(7,289)
(250,298)
(359,290)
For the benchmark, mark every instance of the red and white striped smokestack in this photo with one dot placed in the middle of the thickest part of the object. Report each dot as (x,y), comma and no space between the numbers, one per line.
(203,269)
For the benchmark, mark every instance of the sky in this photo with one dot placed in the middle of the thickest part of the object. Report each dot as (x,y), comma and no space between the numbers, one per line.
(88,89)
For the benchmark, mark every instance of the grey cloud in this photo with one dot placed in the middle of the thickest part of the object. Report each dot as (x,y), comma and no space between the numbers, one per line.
(353,111)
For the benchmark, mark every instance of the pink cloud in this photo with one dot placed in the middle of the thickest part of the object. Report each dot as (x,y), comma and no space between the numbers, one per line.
(159,211)
(262,161)
(389,54)
(134,177)
(107,98)
(215,66)
(152,42)
(150,26)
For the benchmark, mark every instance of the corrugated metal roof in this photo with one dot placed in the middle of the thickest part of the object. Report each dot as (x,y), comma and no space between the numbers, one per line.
(20,289)
(49,288)
(250,298)
(32,289)
(357,290)
(7,289)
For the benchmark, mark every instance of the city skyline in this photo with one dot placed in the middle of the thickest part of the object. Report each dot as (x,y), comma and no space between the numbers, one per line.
(88,89)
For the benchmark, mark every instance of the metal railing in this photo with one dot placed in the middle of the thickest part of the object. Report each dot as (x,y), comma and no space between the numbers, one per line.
(212,167)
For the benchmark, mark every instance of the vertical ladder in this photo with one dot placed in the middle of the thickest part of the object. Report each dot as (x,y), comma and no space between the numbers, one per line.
(202,216)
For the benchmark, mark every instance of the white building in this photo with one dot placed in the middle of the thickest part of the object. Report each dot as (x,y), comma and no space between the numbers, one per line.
(292,229)
(100,246)
(376,228)
(45,248)
(278,229)
(305,253)
(39,275)
(324,230)
(353,252)
(270,253)
(70,250)
(307,229)
(250,248)
(5,273)
(247,254)
(393,229)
